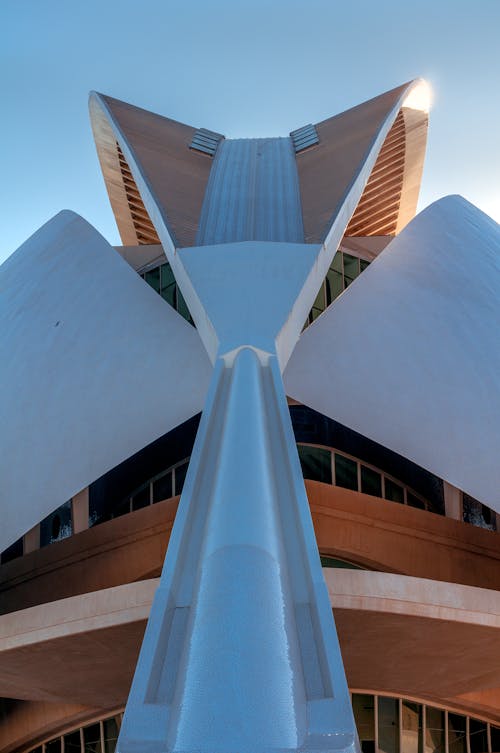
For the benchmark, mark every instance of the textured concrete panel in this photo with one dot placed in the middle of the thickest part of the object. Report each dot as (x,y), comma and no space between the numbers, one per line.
(95,365)
(409,355)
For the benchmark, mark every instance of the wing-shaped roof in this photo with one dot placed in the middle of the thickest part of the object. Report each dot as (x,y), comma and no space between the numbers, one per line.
(95,365)
(326,171)
(177,175)
(147,160)
(409,354)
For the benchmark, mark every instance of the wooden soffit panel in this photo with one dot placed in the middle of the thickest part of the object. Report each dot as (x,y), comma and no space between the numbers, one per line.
(326,171)
(176,174)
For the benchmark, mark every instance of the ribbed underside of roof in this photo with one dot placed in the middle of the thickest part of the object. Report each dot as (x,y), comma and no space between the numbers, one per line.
(144,228)
(252,194)
(378,209)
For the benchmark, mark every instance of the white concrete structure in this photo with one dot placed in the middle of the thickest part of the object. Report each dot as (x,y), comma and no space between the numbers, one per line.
(240,651)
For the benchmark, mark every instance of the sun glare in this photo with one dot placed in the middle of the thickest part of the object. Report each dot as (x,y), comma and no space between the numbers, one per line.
(420,97)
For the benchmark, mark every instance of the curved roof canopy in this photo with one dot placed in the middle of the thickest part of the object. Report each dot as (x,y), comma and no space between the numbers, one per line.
(95,365)
(409,354)
(140,151)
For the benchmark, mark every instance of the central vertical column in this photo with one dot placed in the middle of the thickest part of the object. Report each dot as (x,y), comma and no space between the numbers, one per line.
(243,680)
(240,652)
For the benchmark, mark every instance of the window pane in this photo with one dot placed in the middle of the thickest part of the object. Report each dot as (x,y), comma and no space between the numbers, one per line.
(414,501)
(388,725)
(54,746)
(393,491)
(167,284)
(412,733)
(457,738)
(162,487)
(182,307)
(495,738)
(346,472)
(316,463)
(371,482)
(92,739)
(334,285)
(111,728)
(180,476)
(334,562)
(478,514)
(318,305)
(434,730)
(363,264)
(478,736)
(167,276)
(351,269)
(57,526)
(14,550)
(122,509)
(364,716)
(153,278)
(141,498)
(72,742)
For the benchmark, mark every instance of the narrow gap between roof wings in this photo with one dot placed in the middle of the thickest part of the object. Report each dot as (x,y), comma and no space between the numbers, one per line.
(304,137)
(206,141)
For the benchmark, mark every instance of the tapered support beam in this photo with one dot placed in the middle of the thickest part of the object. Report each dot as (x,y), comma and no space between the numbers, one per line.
(240,652)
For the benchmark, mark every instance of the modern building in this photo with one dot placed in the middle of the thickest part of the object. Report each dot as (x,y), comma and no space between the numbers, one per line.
(246,265)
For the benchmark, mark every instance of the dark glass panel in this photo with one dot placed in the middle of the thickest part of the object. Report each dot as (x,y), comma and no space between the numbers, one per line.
(334,562)
(371,482)
(457,733)
(180,477)
(412,732)
(337,264)
(54,746)
(316,463)
(168,284)
(414,501)
(364,715)
(182,307)
(334,283)
(167,276)
(478,514)
(122,509)
(363,264)
(434,730)
(346,472)
(388,725)
(318,305)
(351,269)
(92,739)
(57,526)
(140,498)
(72,742)
(13,551)
(153,278)
(478,736)
(162,487)
(495,738)
(111,728)
(394,492)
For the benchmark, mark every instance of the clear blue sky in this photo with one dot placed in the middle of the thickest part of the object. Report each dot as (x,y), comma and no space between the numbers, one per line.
(244,68)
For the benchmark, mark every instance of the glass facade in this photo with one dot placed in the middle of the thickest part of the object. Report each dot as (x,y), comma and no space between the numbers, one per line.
(339,469)
(166,484)
(57,526)
(385,724)
(343,270)
(162,280)
(477,514)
